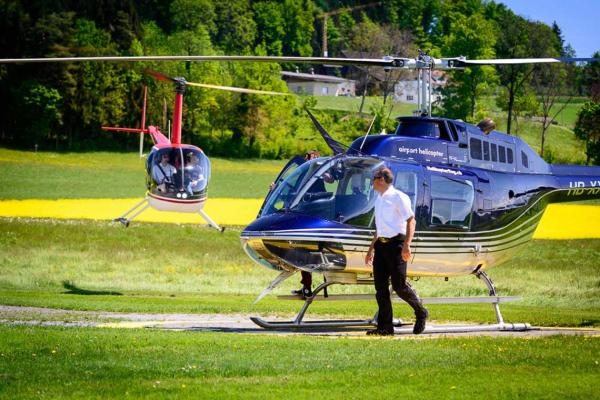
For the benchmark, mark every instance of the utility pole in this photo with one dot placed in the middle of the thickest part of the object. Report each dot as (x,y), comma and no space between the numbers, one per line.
(326,15)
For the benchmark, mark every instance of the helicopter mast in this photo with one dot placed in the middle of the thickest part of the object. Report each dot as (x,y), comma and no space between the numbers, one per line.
(177,109)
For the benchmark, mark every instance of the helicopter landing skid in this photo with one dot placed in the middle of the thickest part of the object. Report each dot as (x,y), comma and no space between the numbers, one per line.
(299,324)
(125,220)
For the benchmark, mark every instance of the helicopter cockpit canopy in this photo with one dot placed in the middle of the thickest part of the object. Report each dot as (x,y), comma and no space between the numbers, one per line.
(178,172)
(338,189)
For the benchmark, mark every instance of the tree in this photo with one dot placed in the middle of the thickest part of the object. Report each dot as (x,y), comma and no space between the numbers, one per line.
(587,128)
(474,37)
(591,78)
(520,39)
(550,85)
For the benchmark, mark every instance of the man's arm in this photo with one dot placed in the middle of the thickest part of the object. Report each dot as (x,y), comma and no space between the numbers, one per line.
(410,231)
(369,256)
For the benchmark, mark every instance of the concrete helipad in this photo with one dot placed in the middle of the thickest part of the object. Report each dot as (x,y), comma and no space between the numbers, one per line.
(235,323)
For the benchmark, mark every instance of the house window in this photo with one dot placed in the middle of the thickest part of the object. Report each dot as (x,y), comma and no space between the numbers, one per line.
(475,145)
(451,202)
(325,90)
(409,97)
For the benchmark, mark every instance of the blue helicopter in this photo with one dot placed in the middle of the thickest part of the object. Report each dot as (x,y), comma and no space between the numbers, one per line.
(477,197)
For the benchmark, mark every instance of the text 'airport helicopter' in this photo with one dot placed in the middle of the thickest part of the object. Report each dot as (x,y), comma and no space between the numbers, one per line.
(477,197)
(177,174)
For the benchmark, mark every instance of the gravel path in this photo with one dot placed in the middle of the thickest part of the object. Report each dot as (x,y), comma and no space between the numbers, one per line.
(236,323)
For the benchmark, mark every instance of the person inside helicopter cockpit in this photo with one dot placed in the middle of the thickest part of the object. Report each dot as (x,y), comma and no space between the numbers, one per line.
(194,174)
(163,174)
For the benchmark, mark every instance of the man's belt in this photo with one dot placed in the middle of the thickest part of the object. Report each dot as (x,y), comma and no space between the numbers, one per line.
(398,237)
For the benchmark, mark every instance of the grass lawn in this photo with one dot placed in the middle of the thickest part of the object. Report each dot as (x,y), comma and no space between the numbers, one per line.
(107,363)
(47,175)
(197,270)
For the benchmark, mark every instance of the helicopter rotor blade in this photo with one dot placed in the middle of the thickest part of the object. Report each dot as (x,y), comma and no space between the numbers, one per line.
(237,89)
(383,62)
(157,75)
(516,61)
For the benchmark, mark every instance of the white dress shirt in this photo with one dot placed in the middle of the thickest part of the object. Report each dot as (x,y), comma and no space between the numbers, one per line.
(392,210)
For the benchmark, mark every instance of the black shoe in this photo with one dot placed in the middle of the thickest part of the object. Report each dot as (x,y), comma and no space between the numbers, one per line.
(380,332)
(420,323)
(304,292)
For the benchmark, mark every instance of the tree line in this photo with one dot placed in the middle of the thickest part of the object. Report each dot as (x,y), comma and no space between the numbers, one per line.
(63,106)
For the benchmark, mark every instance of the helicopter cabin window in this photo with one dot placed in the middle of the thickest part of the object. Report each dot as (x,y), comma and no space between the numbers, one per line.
(406,182)
(524,159)
(509,155)
(475,145)
(451,202)
(502,154)
(486,150)
(419,128)
(494,152)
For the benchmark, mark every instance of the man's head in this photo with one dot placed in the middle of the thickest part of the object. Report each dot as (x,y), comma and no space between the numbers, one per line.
(311,155)
(382,179)
(164,158)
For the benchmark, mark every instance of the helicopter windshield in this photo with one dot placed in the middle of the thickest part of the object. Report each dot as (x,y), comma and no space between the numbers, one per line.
(287,189)
(178,172)
(338,190)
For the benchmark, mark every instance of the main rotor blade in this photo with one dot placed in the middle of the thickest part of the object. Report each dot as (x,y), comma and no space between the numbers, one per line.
(514,61)
(237,89)
(158,75)
(383,62)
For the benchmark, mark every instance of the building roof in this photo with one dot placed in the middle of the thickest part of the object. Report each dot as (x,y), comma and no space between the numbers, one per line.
(312,77)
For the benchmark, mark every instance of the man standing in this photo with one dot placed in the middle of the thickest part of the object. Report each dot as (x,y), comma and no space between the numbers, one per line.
(389,252)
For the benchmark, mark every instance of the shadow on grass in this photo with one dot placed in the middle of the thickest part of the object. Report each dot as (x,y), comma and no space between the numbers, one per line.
(73,289)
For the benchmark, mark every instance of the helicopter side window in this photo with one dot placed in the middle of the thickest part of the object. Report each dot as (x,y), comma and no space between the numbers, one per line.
(524,159)
(494,152)
(475,145)
(451,202)
(509,155)
(406,182)
(486,150)
(502,154)
(164,173)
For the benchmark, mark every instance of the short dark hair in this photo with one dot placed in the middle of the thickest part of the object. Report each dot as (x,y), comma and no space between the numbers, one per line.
(385,173)
(312,154)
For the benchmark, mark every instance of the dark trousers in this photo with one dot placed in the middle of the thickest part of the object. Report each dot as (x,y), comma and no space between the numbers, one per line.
(388,263)
(306,279)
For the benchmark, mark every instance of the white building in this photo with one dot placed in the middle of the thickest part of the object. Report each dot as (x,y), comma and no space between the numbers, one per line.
(406,91)
(318,85)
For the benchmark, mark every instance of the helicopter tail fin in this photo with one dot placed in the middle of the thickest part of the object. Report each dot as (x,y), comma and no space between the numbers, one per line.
(331,142)
(280,278)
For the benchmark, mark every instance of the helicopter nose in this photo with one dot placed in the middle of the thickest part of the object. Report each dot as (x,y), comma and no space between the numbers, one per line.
(294,241)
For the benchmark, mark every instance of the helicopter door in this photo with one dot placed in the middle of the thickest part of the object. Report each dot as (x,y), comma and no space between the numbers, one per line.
(285,172)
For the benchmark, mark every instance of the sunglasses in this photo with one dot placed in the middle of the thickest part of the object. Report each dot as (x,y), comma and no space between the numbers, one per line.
(377,177)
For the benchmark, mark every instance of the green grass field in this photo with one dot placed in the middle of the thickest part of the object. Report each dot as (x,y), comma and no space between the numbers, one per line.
(47,175)
(95,363)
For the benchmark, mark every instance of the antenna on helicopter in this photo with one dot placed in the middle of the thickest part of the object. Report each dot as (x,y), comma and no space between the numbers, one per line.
(368,131)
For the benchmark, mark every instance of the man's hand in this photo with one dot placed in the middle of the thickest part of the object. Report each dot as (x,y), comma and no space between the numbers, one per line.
(369,257)
(406,253)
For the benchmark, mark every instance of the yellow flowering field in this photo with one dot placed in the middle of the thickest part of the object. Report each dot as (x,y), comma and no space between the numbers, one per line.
(561,221)
(224,211)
